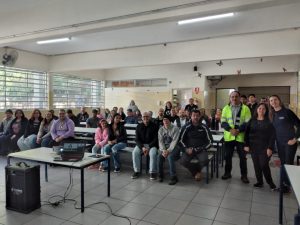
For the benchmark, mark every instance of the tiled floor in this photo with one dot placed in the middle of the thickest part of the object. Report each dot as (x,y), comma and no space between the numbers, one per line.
(148,202)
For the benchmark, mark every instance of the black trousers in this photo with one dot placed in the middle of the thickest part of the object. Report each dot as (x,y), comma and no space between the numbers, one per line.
(261,167)
(230,146)
(286,154)
(194,167)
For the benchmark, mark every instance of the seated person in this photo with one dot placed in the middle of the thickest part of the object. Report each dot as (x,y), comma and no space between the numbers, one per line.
(181,120)
(168,136)
(93,121)
(62,129)
(101,139)
(8,141)
(53,114)
(204,118)
(83,115)
(146,144)
(195,140)
(159,118)
(6,121)
(130,118)
(117,139)
(73,117)
(28,140)
(44,135)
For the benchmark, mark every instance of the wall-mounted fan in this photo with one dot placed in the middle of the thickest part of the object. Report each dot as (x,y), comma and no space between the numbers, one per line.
(10,57)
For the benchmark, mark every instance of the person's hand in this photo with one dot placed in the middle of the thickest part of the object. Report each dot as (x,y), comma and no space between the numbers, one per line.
(189,151)
(292,141)
(234,132)
(165,153)
(59,139)
(12,137)
(38,140)
(110,142)
(246,149)
(269,152)
(145,150)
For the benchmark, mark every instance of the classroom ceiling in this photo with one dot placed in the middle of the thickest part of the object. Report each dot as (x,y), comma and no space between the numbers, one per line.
(97,25)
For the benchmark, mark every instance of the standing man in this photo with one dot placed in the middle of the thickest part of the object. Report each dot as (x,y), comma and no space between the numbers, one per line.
(191,106)
(235,115)
(195,139)
(146,144)
(168,136)
(252,103)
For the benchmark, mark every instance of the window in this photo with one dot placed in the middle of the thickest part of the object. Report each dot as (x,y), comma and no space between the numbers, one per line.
(73,92)
(22,89)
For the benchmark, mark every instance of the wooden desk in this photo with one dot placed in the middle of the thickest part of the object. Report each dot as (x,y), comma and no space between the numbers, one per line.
(46,156)
(293,173)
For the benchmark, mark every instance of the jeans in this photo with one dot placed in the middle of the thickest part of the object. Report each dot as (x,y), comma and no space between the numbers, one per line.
(229,149)
(96,149)
(46,142)
(114,149)
(27,143)
(172,157)
(194,167)
(136,159)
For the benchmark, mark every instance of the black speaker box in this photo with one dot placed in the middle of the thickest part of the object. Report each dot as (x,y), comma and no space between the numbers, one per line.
(23,191)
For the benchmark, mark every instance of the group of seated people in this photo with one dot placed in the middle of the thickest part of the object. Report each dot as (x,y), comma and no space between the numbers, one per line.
(175,134)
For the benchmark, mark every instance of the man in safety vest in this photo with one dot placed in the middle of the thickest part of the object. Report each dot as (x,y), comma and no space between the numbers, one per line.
(235,115)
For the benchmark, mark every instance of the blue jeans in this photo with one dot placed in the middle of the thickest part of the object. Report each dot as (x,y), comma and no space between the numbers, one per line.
(27,143)
(46,142)
(114,149)
(96,149)
(172,157)
(136,159)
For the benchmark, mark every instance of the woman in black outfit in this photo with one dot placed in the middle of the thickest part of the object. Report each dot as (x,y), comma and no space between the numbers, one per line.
(285,122)
(260,140)
(168,108)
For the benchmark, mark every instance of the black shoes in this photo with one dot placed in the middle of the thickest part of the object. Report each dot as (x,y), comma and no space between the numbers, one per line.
(258,185)
(245,180)
(153,176)
(226,176)
(160,179)
(173,180)
(135,175)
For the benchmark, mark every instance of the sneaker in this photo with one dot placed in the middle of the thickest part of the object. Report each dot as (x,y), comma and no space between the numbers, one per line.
(135,175)
(198,176)
(103,169)
(258,185)
(286,189)
(173,180)
(117,170)
(153,176)
(245,180)
(226,176)
(273,187)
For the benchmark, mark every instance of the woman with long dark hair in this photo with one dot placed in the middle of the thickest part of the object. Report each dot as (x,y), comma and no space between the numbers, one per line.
(28,140)
(8,141)
(285,121)
(44,135)
(260,141)
(117,139)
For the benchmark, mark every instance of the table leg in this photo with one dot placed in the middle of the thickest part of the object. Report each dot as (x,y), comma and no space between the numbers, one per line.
(46,172)
(217,160)
(281,195)
(8,160)
(108,177)
(82,188)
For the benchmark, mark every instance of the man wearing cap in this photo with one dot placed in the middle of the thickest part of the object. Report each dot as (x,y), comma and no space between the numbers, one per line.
(6,121)
(146,143)
(168,136)
(130,118)
(93,121)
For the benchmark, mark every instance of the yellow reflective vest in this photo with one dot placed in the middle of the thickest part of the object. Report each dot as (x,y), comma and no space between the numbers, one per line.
(243,118)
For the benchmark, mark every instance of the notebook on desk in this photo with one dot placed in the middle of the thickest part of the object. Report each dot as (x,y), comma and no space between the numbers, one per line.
(71,152)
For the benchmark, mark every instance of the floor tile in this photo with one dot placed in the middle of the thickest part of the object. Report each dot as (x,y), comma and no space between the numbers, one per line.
(147,199)
(90,217)
(45,220)
(118,221)
(136,211)
(107,204)
(206,199)
(177,193)
(264,210)
(125,195)
(161,216)
(172,204)
(232,216)
(204,211)
(256,219)
(235,204)
(187,219)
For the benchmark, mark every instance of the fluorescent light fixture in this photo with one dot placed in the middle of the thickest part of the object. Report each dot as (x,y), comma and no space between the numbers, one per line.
(206,18)
(54,41)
